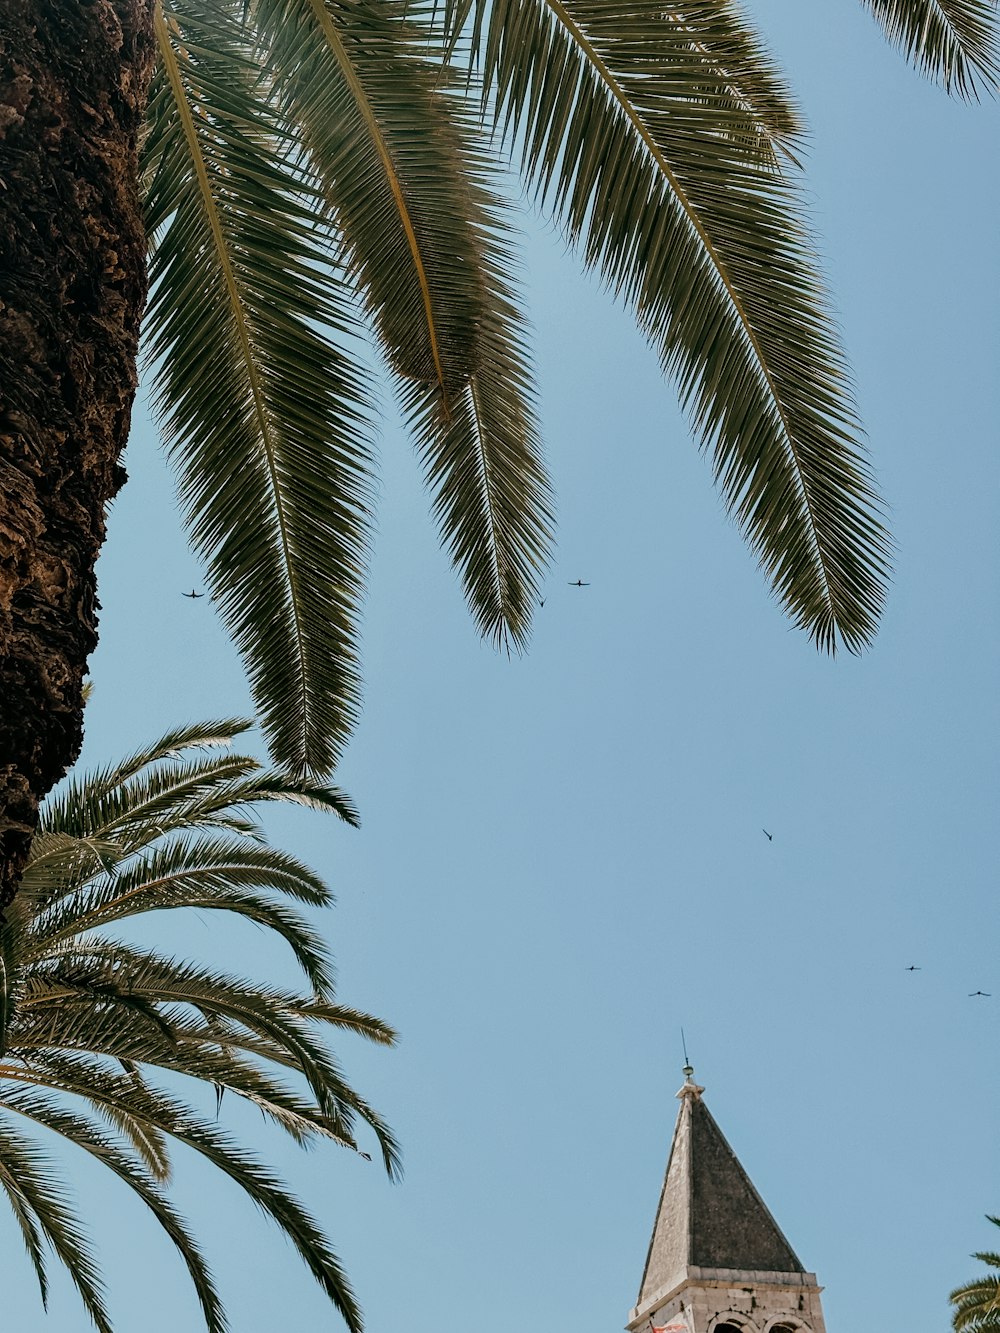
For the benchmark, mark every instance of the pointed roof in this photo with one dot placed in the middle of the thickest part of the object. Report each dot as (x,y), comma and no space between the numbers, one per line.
(710,1215)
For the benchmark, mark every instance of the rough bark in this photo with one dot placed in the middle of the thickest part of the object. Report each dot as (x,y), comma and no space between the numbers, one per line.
(74,76)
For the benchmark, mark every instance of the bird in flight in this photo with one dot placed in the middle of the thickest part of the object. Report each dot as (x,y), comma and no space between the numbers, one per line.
(192,593)
(913,968)
(768,836)
(984,993)
(578,583)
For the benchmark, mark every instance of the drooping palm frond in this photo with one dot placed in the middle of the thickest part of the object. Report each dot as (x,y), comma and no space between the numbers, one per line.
(267,415)
(94,1023)
(304,152)
(977,1303)
(44,1212)
(734,60)
(483,461)
(952,42)
(383,146)
(636,143)
(68,1240)
(417,209)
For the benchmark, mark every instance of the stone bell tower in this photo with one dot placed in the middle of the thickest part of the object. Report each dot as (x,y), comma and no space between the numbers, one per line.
(717,1261)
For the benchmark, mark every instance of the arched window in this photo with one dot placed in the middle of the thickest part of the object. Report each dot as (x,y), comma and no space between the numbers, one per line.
(728,1328)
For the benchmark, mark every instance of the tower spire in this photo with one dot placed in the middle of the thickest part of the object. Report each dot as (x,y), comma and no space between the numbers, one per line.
(715,1238)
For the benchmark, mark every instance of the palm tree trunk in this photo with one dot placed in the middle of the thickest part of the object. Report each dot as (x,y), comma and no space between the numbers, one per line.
(74,76)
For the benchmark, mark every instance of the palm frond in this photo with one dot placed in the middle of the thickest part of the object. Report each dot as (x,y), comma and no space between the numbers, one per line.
(267,1191)
(381,140)
(81,1132)
(977,1303)
(59,860)
(149,993)
(726,53)
(147,1141)
(705,241)
(68,809)
(392,148)
(39,1187)
(111,813)
(740,64)
(483,462)
(267,416)
(92,1024)
(27,1221)
(955,43)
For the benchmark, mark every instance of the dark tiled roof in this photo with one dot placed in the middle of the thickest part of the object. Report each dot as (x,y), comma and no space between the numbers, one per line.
(730,1223)
(710,1215)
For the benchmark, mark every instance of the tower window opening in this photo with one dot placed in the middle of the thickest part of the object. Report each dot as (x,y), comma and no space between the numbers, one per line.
(728,1328)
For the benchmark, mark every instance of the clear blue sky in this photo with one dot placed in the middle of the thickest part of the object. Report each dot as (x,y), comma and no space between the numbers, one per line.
(562,859)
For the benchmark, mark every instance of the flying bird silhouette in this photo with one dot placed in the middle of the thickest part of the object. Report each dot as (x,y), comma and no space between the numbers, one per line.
(913,968)
(192,593)
(768,836)
(984,993)
(578,583)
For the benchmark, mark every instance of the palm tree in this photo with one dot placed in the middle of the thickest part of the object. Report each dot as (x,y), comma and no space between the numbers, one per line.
(316,170)
(94,1027)
(977,1303)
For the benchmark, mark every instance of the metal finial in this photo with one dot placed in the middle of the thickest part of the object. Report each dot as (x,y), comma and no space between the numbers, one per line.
(688,1069)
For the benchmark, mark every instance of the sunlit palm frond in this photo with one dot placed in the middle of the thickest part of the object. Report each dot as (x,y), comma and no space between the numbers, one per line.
(391,145)
(706,242)
(953,42)
(116,812)
(94,1024)
(88,809)
(739,63)
(267,416)
(61,860)
(204,874)
(483,462)
(152,802)
(977,1303)
(382,145)
(149,1142)
(724,60)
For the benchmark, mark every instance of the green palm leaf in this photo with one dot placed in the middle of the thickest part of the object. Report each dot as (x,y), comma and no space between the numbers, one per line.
(123,809)
(382,143)
(11,1174)
(416,208)
(70,1244)
(44,1200)
(952,42)
(738,71)
(483,463)
(977,1303)
(638,145)
(203,874)
(267,416)
(93,1024)
(739,65)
